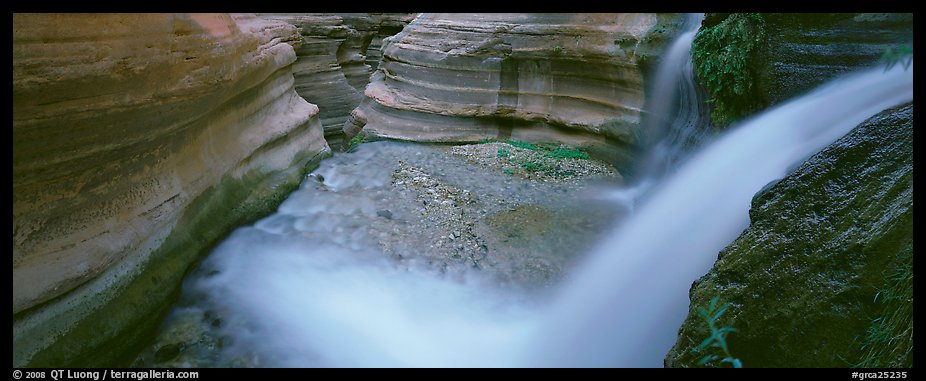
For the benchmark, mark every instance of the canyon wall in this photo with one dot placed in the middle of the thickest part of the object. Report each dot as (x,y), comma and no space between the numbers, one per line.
(805,50)
(573,78)
(333,63)
(750,61)
(139,140)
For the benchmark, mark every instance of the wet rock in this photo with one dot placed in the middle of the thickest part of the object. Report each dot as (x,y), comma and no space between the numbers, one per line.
(802,278)
(797,52)
(168,352)
(805,50)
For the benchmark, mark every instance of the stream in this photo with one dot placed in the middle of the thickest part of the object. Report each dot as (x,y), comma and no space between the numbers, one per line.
(410,255)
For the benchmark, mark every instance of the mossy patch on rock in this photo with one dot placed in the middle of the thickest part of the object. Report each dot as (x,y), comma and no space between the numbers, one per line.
(806,50)
(749,61)
(724,55)
(802,278)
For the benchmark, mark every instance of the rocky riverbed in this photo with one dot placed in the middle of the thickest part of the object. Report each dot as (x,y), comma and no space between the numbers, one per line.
(456,211)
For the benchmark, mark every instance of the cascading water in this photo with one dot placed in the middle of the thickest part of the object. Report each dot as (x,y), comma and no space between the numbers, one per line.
(297,290)
(625,303)
(673,121)
(673,124)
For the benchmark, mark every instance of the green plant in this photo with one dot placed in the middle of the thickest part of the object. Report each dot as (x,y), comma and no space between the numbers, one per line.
(888,342)
(724,55)
(566,153)
(356,141)
(538,159)
(559,50)
(899,54)
(718,338)
(534,166)
(522,144)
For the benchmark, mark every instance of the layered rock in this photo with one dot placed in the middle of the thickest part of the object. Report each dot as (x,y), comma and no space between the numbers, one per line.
(805,50)
(139,140)
(751,61)
(390,24)
(332,67)
(803,279)
(574,78)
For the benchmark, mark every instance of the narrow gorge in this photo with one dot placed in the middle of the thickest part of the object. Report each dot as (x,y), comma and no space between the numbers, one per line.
(477,190)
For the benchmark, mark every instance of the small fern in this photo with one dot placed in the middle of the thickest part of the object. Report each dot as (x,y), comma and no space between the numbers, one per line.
(902,54)
(718,338)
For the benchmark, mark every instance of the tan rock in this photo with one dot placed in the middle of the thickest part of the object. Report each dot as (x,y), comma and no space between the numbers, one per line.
(127,128)
(575,78)
(332,67)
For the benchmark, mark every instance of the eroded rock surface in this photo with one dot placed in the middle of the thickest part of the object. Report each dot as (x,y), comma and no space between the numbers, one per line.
(806,50)
(333,62)
(138,141)
(573,78)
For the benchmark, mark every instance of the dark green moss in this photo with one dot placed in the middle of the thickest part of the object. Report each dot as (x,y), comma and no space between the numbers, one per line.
(802,278)
(725,54)
(114,332)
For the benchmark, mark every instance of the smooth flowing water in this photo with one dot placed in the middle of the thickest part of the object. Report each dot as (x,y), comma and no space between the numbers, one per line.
(675,122)
(298,290)
(358,268)
(625,304)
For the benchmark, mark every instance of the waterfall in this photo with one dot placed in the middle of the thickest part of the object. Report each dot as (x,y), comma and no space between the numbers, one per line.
(673,122)
(297,289)
(624,305)
(673,125)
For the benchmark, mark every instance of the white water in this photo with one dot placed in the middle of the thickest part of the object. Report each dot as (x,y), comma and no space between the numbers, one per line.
(673,124)
(625,304)
(292,299)
(673,116)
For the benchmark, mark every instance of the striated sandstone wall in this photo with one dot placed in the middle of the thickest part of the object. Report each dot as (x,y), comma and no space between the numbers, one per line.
(390,24)
(139,140)
(575,78)
(333,63)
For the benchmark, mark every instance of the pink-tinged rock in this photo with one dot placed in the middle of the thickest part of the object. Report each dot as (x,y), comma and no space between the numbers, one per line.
(574,78)
(120,123)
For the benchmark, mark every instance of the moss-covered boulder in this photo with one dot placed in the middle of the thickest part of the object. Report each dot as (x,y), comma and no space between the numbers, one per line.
(823,242)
